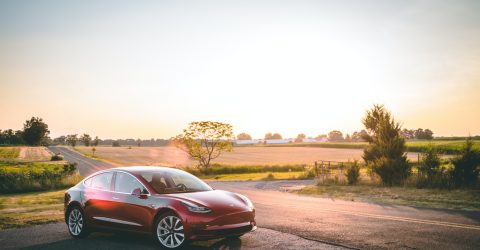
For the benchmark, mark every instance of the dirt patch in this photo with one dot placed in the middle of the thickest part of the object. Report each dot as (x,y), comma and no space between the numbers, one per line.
(34,154)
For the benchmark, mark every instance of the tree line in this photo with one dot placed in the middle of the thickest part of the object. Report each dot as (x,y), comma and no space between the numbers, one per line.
(338,136)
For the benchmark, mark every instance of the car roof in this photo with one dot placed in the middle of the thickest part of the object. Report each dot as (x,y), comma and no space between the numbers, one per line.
(144,169)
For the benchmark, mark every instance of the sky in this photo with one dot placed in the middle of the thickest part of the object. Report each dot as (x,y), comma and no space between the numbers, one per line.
(145,69)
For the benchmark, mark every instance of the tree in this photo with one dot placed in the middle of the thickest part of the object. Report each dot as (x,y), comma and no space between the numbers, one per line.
(429,167)
(321,137)
(335,135)
(60,140)
(86,139)
(95,141)
(466,166)
(243,136)
(72,140)
(275,136)
(385,152)
(35,131)
(205,141)
(300,137)
(358,136)
(348,137)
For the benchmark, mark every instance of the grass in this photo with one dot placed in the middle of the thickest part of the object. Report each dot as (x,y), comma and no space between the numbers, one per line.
(443,146)
(20,210)
(430,198)
(9,153)
(255,176)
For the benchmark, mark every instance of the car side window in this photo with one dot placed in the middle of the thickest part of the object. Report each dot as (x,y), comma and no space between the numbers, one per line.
(101,181)
(125,183)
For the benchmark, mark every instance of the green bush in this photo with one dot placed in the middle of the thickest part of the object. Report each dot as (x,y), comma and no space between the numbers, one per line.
(466,166)
(25,177)
(57,157)
(353,173)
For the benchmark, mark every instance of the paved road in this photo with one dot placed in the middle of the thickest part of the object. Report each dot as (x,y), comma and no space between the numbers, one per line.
(86,166)
(55,236)
(283,216)
(357,224)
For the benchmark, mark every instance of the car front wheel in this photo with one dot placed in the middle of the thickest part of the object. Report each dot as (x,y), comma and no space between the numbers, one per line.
(169,231)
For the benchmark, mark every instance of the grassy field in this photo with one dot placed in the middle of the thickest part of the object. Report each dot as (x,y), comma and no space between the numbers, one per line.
(444,146)
(255,176)
(171,156)
(431,198)
(9,153)
(21,210)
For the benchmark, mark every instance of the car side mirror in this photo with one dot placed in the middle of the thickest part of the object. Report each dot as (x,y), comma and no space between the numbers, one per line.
(142,194)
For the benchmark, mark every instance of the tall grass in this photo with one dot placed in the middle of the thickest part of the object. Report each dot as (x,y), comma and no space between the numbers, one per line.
(243,169)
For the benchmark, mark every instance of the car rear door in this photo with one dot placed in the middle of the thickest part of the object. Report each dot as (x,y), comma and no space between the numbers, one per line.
(98,199)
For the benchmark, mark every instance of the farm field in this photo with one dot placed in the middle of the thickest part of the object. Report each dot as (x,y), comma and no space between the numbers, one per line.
(444,146)
(171,156)
(25,154)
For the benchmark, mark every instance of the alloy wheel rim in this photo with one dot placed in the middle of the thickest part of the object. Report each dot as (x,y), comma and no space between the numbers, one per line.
(75,222)
(170,232)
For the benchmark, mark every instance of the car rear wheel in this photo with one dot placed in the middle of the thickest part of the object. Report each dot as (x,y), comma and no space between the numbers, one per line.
(76,223)
(169,231)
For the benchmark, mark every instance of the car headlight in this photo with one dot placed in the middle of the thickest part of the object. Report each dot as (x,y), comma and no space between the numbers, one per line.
(194,208)
(246,200)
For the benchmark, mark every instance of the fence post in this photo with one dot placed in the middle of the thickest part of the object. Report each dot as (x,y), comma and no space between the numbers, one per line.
(316,170)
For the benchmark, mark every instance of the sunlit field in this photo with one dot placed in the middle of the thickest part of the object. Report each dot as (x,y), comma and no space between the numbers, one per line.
(171,156)
(443,146)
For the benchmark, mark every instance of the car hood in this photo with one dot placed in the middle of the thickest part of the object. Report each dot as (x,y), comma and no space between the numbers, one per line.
(215,199)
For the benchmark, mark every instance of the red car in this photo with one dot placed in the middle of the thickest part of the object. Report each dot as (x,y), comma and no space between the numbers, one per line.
(173,205)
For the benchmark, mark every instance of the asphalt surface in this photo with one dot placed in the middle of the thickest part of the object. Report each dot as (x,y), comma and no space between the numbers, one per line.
(288,221)
(85,165)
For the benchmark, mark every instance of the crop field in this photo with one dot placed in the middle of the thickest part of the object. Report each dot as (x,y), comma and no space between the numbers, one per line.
(444,146)
(9,153)
(171,156)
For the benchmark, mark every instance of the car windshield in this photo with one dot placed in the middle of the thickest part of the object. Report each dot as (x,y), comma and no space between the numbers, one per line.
(174,181)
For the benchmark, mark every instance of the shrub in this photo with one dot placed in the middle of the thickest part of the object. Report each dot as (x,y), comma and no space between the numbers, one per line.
(353,173)
(57,157)
(430,171)
(466,166)
(270,176)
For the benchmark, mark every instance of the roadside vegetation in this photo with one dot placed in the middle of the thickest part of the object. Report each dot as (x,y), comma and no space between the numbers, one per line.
(19,210)
(17,177)
(387,176)
(253,172)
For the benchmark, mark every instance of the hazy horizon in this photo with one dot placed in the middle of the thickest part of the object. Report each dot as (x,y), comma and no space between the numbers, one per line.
(145,69)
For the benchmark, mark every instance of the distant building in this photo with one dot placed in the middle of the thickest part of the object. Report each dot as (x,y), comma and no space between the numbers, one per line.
(279,141)
(247,142)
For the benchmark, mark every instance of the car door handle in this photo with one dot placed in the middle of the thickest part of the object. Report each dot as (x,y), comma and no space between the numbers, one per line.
(115,198)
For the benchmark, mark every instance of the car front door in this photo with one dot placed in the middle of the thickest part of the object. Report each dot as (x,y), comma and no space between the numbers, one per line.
(132,210)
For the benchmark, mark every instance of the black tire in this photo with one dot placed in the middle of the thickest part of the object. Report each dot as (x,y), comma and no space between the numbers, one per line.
(76,223)
(234,236)
(168,231)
